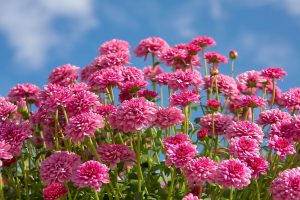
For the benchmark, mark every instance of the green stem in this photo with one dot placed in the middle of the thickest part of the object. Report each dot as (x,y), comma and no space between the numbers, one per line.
(138,158)
(96,195)
(205,65)
(200,191)
(257,189)
(92,146)
(111,92)
(116,183)
(212,131)
(273,93)
(231,193)
(56,130)
(232,69)
(252,114)
(1,188)
(171,188)
(186,121)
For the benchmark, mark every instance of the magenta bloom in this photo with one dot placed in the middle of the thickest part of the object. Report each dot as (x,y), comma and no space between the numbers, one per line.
(54,191)
(26,91)
(245,128)
(182,80)
(215,58)
(64,75)
(287,185)
(147,94)
(190,196)
(202,133)
(150,73)
(234,173)
(190,47)
(133,115)
(291,99)
(113,154)
(131,74)
(258,165)
(175,140)
(167,117)
(244,147)
(281,146)
(7,109)
(213,105)
(133,86)
(203,41)
(276,73)
(59,167)
(272,117)
(221,122)
(200,170)
(113,59)
(114,46)
(285,129)
(163,78)
(226,85)
(152,45)
(84,124)
(105,110)
(87,71)
(91,173)
(251,78)
(179,155)
(4,152)
(243,101)
(184,98)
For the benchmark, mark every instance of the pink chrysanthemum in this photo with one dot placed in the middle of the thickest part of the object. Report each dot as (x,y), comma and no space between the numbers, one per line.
(251,78)
(14,135)
(273,72)
(221,122)
(190,47)
(272,117)
(87,71)
(200,170)
(245,128)
(203,41)
(226,85)
(177,139)
(287,185)
(133,86)
(114,46)
(26,91)
(7,109)
(167,117)
(244,147)
(105,110)
(258,165)
(113,154)
(215,58)
(91,173)
(163,78)
(133,115)
(150,73)
(152,45)
(244,101)
(84,124)
(179,155)
(281,146)
(213,104)
(202,133)
(130,74)
(124,95)
(234,173)
(182,80)
(59,167)
(285,129)
(295,127)
(54,191)
(112,59)
(4,152)
(148,94)
(64,75)
(291,99)
(184,98)
(190,196)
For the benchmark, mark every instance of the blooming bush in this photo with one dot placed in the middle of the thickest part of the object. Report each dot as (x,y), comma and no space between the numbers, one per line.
(167,131)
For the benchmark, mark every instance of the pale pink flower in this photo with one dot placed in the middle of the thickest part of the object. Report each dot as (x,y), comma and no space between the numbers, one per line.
(251,78)
(234,173)
(151,73)
(179,155)
(244,147)
(258,165)
(113,154)
(215,58)
(226,85)
(91,173)
(54,191)
(203,41)
(26,91)
(4,152)
(281,146)
(175,140)
(167,117)
(152,45)
(221,122)
(184,98)
(7,109)
(163,78)
(272,116)
(59,167)
(64,75)
(182,80)
(273,72)
(114,46)
(190,196)
(287,185)
(291,99)
(133,115)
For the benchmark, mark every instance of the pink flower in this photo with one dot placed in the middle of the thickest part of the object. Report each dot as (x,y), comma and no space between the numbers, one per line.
(190,196)
(64,75)
(91,173)
(7,109)
(87,71)
(272,117)
(113,154)
(131,74)
(133,115)
(59,167)
(26,91)
(179,155)
(184,98)
(54,191)
(202,133)
(84,124)
(114,46)
(200,170)
(213,105)
(133,86)
(258,165)
(4,152)
(181,80)
(203,41)
(167,117)
(215,58)
(105,110)
(112,59)
(291,99)
(190,47)
(244,101)
(226,85)
(281,146)
(244,147)
(124,95)
(150,73)
(251,78)
(221,122)
(287,185)
(148,94)
(152,45)
(245,128)
(276,73)
(163,78)
(175,140)
(234,173)
(284,129)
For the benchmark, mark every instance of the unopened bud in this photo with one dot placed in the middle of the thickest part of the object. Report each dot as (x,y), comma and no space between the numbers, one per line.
(233,54)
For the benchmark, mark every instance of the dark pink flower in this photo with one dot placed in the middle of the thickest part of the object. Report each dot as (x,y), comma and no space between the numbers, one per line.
(287,185)
(124,95)
(54,191)
(213,105)
(190,47)
(182,80)
(105,110)
(4,151)
(148,94)
(64,75)
(113,154)
(221,122)
(167,117)
(215,58)
(91,173)
(244,147)
(179,155)
(234,173)
(272,117)
(291,99)
(258,165)
(26,91)
(226,85)
(152,45)
(281,146)
(112,59)
(177,139)
(87,71)
(184,98)
(7,109)
(130,73)
(133,86)
(190,196)
(285,129)
(202,133)
(114,46)
(163,78)
(203,41)
(273,72)
(59,167)
(150,73)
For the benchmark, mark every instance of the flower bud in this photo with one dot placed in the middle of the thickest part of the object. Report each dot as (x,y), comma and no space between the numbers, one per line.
(213,105)
(214,71)
(202,134)
(233,54)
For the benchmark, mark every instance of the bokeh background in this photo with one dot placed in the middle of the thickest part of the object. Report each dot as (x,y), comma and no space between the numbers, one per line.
(36,36)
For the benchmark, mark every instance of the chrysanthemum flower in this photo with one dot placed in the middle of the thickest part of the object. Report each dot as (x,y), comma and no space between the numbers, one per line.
(59,167)
(64,75)
(190,47)
(215,58)
(4,152)
(244,101)
(112,59)
(150,73)
(244,147)
(114,46)
(130,73)
(113,154)
(133,86)
(105,110)
(54,191)
(291,99)
(147,94)
(133,115)
(87,71)
(26,91)
(273,72)
(221,122)
(167,117)
(184,98)
(182,80)
(203,41)
(190,196)
(281,146)
(226,85)
(163,78)
(287,185)
(91,173)
(258,165)
(213,104)
(177,139)
(233,172)
(251,78)
(7,109)
(272,116)
(152,45)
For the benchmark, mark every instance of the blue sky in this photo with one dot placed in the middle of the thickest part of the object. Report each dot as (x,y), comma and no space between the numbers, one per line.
(36,36)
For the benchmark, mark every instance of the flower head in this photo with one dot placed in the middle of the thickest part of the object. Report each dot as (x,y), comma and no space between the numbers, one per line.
(184,98)
(54,191)
(147,94)
(190,196)
(273,73)
(291,99)
(244,147)
(251,78)
(221,122)
(64,75)
(112,59)
(272,117)
(7,109)
(213,105)
(182,80)
(150,73)
(152,45)
(26,91)
(233,54)
(4,152)
(167,117)
(179,155)
(175,140)
(163,78)
(215,58)
(114,46)
(203,41)
(281,146)
(226,85)
(105,110)
(258,165)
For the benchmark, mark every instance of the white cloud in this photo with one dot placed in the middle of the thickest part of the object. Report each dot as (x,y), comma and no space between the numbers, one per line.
(216,11)
(30,28)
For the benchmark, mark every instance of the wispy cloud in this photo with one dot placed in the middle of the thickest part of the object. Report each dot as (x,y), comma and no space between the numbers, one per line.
(30,26)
